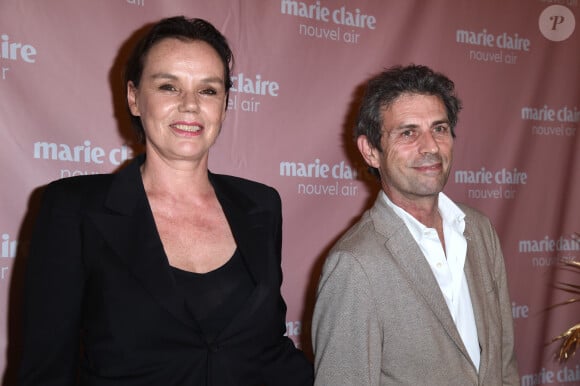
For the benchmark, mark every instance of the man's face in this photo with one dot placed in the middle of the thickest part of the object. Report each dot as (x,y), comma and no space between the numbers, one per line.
(417,149)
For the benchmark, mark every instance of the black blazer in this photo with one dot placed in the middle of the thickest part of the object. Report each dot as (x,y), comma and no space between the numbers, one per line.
(97,274)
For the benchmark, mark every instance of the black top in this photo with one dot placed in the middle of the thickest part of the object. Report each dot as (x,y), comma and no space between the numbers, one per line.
(213,298)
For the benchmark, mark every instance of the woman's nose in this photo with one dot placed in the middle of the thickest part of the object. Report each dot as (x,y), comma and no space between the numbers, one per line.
(189,102)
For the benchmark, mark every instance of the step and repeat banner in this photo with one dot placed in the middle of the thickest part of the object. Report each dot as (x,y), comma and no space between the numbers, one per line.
(299,72)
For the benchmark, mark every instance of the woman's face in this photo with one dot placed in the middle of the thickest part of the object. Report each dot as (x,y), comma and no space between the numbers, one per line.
(181,99)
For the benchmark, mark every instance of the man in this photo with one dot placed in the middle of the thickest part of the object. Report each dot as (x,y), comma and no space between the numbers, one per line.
(415,293)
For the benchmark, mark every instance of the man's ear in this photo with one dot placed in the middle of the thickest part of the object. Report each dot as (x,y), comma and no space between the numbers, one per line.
(370,153)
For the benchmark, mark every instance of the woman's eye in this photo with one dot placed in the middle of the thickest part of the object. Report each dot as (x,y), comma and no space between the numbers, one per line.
(209,91)
(167,87)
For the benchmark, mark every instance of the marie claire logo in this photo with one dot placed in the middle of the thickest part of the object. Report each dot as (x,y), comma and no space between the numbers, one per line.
(244,84)
(139,3)
(8,246)
(549,251)
(570,3)
(341,172)
(7,251)
(80,154)
(293,331)
(293,328)
(505,180)
(565,116)
(13,52)
(547,244)
(343,19)
(520,311)
(85,153)
(567,374)
(16,51)
(509,44)
(245,88)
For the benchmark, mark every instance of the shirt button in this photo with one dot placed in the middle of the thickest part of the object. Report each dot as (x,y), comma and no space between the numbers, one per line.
(439,265)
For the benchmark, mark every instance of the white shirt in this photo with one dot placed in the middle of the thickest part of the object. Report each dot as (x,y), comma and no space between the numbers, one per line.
(448,270)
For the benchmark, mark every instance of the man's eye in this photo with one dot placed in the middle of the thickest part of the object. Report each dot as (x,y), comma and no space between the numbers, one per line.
(441,129)
(407,133)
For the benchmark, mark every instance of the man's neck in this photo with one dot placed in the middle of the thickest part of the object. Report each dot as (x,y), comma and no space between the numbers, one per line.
(423,209)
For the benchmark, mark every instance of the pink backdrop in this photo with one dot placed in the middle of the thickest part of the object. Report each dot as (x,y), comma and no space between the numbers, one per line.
(299,69)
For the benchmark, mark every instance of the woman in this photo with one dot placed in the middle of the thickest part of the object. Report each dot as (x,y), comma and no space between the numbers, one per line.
(164,273)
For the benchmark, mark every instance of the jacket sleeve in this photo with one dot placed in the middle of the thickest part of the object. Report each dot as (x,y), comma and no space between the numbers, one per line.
(509,364)
(287,365)
(53,293)
(346,333)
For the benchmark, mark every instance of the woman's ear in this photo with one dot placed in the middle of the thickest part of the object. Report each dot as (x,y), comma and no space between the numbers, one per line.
(132,99)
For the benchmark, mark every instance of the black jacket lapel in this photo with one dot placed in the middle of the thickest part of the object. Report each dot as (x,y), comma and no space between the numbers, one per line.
(130,230)
(247,222)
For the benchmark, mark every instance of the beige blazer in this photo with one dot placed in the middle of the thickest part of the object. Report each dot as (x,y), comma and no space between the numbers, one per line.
(380,318)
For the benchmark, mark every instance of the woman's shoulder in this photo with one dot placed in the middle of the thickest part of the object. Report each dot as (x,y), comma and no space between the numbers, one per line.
(84,183)
(73,192)
(242,184)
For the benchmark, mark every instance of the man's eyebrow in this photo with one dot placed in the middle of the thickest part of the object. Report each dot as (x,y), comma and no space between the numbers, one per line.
(440,122)
(406,126)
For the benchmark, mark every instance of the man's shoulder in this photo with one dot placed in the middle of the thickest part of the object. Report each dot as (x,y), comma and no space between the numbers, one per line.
(362,240)
(470,210)
(479,228)
(474,216)
(375,226)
